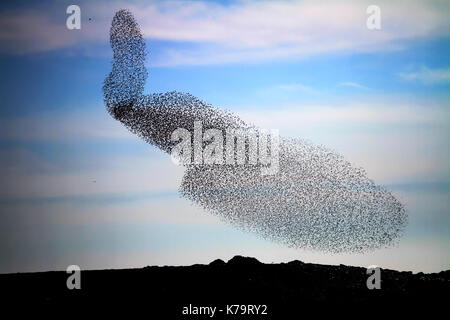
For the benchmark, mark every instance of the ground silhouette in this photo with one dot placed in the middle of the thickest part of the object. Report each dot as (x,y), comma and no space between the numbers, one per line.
(285,288)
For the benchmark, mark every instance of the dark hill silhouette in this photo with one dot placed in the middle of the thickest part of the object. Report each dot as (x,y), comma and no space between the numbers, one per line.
(286,289)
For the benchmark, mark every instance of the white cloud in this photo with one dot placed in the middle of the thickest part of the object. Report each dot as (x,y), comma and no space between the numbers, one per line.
(352,85)
(377,112)
(394,141)
(297,87)
(254,31)
(151,210)
(241,31)
(428,76)
(108,174)
(63,126)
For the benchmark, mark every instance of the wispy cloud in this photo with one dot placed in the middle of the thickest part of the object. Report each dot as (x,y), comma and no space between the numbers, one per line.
(357,127)
(377,112)
(63,126)
(428,76)
(385,136)
(240,31)
(352,85)
(112,174)
(297,87)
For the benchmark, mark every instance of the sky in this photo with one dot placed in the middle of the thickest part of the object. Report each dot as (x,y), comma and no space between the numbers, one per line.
(78,188)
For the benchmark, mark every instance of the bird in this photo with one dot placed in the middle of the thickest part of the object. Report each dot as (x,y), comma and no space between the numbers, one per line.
(314,199)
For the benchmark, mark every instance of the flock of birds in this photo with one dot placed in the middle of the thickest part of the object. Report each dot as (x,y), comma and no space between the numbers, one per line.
(316,199)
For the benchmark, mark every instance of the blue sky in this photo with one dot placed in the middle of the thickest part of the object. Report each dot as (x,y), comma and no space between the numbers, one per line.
(77,188)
